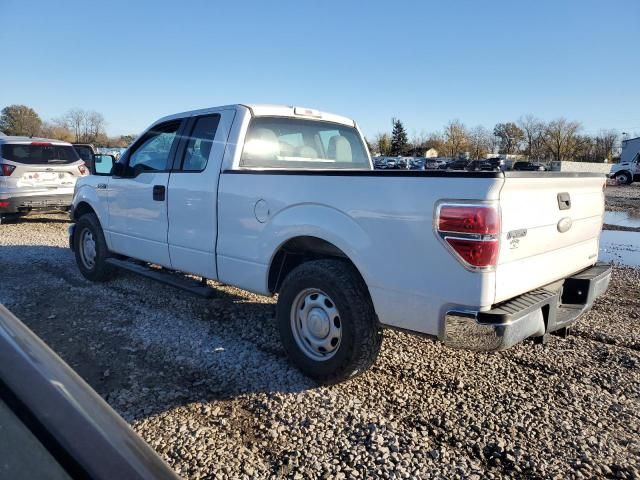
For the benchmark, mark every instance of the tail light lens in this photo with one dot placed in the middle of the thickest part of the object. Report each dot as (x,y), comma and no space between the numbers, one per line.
(6,170)
(471,233)
(83,170)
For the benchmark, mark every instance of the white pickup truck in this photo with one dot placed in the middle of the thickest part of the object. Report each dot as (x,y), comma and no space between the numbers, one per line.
(283,200)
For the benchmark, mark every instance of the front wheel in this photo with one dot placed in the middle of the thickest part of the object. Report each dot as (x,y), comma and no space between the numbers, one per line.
(327,322)
(623,178)
(91,249)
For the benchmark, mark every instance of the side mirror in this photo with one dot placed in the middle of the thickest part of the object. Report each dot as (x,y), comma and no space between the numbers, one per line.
(103,164)
(121,170)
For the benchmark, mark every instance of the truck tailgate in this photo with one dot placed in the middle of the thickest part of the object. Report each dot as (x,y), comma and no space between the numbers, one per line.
(551,225)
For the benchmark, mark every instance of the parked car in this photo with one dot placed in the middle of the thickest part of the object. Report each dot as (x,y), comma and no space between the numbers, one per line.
(54,425)
(435,163)
(379,163)
(460,164)
(284,200)
(489,164)
(417,163)
(391,163)
(402,162)
(529,166)
(37,174)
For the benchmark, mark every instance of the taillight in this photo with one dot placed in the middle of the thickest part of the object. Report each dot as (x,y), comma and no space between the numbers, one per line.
(470,232)
(469,219)
(6,170)
(83,170)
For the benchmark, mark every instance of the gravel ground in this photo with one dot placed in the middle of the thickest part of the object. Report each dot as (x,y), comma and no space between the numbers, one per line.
(206,383)
(624,198)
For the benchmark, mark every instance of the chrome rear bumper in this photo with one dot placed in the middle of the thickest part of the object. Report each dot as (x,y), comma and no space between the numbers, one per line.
(529,315)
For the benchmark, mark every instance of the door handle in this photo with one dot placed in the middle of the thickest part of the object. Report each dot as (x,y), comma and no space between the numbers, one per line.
(159,193)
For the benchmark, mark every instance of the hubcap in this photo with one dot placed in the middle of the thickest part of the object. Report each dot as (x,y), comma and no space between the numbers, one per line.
(87,249)
(316,324)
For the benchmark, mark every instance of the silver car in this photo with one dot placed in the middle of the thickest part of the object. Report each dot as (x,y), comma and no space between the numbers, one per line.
(37,174)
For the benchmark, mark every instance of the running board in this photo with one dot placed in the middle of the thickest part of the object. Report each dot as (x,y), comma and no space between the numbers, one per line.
(181,282)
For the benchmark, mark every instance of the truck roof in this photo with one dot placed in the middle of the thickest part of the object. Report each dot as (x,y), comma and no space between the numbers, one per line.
(266,110)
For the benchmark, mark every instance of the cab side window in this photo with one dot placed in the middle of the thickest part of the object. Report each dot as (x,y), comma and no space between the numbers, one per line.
(152,152)
(199,144)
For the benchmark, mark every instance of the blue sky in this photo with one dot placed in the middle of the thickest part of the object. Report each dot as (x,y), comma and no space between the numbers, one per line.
(423,62)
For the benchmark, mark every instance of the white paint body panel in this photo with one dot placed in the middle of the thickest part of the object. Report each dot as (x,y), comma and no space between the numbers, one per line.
(138,224)
(193,210)
(384,224)
(544,254)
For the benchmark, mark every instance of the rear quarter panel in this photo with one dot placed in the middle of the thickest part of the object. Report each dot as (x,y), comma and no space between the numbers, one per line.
(384,224)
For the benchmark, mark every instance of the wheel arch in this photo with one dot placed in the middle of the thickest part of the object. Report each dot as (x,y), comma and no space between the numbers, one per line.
(83,207)
(300,249)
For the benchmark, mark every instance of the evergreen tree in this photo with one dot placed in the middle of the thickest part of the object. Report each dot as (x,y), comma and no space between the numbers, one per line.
(399,140)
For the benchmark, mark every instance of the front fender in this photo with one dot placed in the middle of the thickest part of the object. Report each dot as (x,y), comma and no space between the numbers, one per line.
(88,195)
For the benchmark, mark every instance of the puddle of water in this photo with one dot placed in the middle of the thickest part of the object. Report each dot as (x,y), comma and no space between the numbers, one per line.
(620,247)
(621,219)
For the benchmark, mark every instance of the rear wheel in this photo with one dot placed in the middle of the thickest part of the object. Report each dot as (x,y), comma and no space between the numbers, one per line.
(91,249)
(327,322)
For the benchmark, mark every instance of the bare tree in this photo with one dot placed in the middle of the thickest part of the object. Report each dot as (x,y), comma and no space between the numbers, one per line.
(56,131)
(560,138)
(75,121)
(382,143)
(95,124)
(605,142)
(455,135)
(435,141)
(533,129)
(418,141)
(510,136)
(480,142)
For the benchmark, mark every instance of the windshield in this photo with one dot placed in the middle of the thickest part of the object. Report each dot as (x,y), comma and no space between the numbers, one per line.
(273,142)
(39,154)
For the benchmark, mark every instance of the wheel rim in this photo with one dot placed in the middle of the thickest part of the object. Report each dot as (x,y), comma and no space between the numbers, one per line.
(88,249)
(316,324)
(622,178)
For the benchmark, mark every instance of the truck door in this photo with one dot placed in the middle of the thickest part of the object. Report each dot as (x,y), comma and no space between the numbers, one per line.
(138,197)
(193,193)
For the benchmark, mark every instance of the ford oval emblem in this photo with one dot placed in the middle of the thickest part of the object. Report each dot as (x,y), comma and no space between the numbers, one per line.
(564,224)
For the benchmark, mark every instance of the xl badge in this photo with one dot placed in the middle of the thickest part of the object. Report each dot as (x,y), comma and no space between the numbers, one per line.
(514,237)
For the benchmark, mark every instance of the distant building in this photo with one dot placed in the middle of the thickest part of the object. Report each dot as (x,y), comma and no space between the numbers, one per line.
(431,153)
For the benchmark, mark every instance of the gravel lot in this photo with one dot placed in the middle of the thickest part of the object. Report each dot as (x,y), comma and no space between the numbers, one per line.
(624,198)
(206,383)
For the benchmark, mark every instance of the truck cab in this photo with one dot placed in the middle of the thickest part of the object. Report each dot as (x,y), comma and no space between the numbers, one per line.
(627,170)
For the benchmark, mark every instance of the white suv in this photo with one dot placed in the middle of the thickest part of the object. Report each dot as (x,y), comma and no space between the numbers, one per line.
(37,174)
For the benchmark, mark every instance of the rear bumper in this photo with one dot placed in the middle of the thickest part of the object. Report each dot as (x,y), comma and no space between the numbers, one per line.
(20,204)
(530,315)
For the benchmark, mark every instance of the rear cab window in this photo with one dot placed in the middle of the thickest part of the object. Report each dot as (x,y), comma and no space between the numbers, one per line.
(292,143)
(39,153)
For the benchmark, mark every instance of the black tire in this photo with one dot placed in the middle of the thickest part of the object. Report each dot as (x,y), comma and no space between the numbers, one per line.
(624,178)
(361,336)
(100,271)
